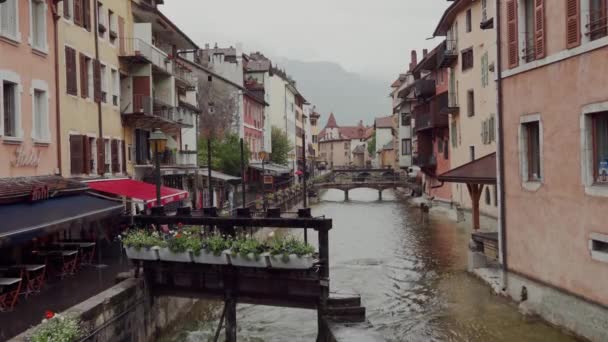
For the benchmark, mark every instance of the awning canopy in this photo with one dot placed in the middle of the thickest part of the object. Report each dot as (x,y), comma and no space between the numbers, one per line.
(219,176)
(138,191)
(27,220)
(479,171)
(271,168)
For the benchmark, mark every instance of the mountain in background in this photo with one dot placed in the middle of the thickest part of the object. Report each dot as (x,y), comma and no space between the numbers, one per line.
(350,96)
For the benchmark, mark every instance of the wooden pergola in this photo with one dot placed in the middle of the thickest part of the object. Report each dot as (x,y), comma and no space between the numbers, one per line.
(475,175)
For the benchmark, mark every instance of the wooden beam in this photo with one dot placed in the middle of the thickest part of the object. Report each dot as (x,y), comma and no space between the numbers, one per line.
(475,191)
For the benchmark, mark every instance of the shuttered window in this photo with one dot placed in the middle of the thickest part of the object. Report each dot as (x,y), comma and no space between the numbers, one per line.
(84,76)
(78,12)
(76,154)
(512,39)
(598,22)
(70,71)
(115,157)
(86,14)
(101,156)
(573,23)
(467,59)
(8,20)
(539,29)
(88,167)
(68,5)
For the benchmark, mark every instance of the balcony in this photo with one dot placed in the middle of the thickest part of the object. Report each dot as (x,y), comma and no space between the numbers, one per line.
(138,51)
(150,113)
(428,116)
(184,77)
(447,53)
(424,89)
(187,158)
(425,161)
(447,102)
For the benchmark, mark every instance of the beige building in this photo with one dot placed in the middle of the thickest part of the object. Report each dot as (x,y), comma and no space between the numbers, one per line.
(470,54)
(90,38)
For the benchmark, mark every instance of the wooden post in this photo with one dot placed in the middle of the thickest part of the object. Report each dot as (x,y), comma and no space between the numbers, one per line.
(230,319)
(475,191)
(346,195)
(380,194)
(324,275)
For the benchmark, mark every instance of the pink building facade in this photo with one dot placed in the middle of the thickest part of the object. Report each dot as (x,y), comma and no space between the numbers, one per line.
(27,89)
(253,104)
(555,131)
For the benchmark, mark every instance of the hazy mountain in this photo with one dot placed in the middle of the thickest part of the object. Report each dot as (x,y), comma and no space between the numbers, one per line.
(350,96)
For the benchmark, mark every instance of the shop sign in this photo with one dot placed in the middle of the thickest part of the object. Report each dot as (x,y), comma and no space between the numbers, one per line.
(25,158)
(39,193)
(268,180)
(603,172)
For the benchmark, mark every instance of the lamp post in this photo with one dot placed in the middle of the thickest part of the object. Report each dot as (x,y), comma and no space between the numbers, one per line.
(159,141)
(262,154)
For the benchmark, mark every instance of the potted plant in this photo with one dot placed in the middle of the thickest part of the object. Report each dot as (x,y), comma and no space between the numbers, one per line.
(142,244)
(290,253)
(56,327)
(214,250)
(248,252)
(179,246)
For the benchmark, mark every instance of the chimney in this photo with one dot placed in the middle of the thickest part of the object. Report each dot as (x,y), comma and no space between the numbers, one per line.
(424,52)
(414,60)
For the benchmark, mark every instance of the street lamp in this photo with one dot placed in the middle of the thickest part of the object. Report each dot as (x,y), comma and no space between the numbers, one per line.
(262,155)
(159,140)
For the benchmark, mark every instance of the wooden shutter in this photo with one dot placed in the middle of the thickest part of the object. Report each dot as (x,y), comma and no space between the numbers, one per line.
(66,9)
(70,71)
(76,154)
(124,157)
(97,80)
(77,12)
(115,160)
(573,23)
(539,29)
(86,14)
(101,156)
(84,77)
(512,39)
(121,35)
(86,146)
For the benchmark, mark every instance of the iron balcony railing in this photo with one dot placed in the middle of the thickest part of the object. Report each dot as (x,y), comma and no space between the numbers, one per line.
(447,53)
(425,161)
(135,47)
(424,88)
(428,115)
(597,26)
(184,75)
(153,106)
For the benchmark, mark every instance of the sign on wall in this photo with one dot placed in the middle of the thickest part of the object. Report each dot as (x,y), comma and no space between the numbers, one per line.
(24,158)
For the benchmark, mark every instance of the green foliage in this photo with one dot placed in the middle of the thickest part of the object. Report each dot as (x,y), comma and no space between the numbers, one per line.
(371,145)
(58,329)
(140,238)
(244,246)
(287,246)
(225,154)
(281,146)
(217,243)
(185,240)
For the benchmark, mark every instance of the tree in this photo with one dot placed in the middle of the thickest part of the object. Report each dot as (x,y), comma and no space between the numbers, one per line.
(281,146)
(371,146)
(225,154)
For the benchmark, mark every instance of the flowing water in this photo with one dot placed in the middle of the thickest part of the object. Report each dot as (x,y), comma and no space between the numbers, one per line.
(410,273)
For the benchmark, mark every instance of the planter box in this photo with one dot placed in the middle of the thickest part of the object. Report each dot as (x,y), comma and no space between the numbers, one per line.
(293,262)
(142,254)
(207,257)
(166,255)
(250,261)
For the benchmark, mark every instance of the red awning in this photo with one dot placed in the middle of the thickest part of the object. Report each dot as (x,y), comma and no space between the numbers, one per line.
(140,191)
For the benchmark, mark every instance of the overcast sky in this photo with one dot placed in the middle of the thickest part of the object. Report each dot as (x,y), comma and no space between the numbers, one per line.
(373,38)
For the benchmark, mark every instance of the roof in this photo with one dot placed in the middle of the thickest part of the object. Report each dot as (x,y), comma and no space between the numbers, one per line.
(479,171)
(219,176)
(165,20)
(359,149)
(448,17)
(199,67)
(384,122)
(428,62)
(271,168)
(139,191)
(16,189)
(331,122)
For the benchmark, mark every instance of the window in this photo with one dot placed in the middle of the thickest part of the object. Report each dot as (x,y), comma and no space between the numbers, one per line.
(597,19)
(346,146)
(454,133)
(113,26)
(470,103)
(469,21)
(472,153)
(600,147)
(102,27)
(76,155)
(495,191)
(529,51)
(82,13)
(9,20)
(440,145)
(406,147)
(484,10)
(488,196)
(115,87)
(92,156)
(86,77)
(41,116)
(104,84)
(467,58)
(315,139)
(70,71)
(68,9)
(10,93)
(405,119)
(531,135)
(38,24)
(108,155)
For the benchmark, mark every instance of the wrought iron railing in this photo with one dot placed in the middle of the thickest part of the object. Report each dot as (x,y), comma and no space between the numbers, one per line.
(597,26)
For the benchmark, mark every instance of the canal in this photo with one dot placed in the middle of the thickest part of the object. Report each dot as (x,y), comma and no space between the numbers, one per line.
(410,272)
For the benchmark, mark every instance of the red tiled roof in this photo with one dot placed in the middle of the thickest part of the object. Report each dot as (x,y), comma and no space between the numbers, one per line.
(331,122)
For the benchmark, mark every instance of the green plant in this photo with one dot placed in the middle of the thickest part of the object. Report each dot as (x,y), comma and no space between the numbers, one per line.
(217,243)
(244,246)
(140,238)
(58,329)
(184,241)
(287,246)
(281,146)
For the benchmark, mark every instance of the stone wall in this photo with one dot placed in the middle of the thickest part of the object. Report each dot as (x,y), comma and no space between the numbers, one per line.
(125,312)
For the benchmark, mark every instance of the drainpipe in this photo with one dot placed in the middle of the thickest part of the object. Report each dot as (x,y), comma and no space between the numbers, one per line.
(99,116)
(501,148)
(56,18)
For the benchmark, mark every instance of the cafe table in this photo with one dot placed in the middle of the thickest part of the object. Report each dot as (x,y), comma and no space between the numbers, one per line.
(9,293)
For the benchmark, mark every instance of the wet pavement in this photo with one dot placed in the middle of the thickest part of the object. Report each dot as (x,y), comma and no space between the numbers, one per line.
(411,274)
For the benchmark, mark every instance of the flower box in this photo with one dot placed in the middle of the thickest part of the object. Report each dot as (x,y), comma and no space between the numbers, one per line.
(142,254)
(165,254)
(292,261)
(207,257)
(250,261)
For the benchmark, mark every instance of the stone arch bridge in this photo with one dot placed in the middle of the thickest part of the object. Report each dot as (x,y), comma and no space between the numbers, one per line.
(350,179)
